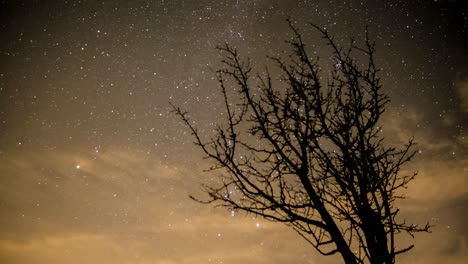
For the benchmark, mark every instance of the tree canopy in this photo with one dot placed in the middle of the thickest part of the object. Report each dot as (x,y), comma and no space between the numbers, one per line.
(306,149)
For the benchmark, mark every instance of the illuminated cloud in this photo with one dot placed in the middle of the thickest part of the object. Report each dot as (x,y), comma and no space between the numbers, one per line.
(461,87)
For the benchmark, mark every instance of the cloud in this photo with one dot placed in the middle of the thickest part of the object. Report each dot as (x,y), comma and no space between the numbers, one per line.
(461,87)
(64,248)
(107,188)
(119,207)
(124,207)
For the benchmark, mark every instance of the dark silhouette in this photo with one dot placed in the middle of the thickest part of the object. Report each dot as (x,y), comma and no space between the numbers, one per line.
(308,151)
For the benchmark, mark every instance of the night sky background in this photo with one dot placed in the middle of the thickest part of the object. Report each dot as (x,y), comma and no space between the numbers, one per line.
(94,168)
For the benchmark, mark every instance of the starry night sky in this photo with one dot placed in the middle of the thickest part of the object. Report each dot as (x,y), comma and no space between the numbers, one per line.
(94,168)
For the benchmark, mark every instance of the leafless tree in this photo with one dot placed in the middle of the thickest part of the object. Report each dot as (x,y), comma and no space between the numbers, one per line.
(309,152)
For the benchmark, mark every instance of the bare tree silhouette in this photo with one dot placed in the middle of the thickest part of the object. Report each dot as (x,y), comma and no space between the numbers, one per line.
(308,151)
